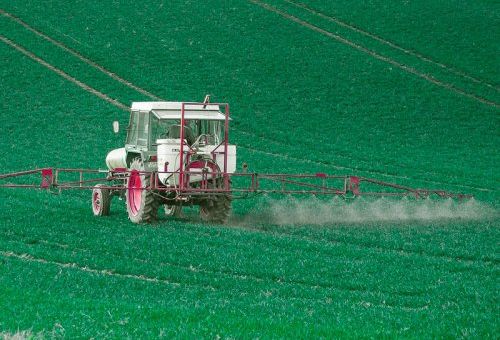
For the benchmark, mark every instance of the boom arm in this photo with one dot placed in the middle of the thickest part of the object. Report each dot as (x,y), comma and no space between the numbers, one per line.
(242,183)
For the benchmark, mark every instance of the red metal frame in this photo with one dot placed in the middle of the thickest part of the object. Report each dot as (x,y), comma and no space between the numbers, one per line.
(181,156)
(182,170)
(316,184)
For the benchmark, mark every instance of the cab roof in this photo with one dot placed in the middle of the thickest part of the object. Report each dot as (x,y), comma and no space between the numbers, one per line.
(172,110)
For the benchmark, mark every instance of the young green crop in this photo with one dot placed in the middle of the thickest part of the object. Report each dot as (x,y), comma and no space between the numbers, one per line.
(301,102)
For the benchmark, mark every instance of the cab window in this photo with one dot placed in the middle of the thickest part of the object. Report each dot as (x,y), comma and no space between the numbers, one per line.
(213,128)
(142,129)
(132,128)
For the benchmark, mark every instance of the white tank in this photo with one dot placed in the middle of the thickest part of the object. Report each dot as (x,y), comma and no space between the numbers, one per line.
(117,159)
(168,160)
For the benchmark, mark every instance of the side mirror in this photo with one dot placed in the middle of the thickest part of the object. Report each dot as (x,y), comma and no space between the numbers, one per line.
(116,126)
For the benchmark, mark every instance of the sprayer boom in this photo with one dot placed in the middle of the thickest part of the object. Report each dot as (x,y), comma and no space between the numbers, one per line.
(235,184)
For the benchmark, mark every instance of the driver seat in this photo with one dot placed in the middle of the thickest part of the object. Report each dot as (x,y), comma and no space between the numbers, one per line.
(174,131)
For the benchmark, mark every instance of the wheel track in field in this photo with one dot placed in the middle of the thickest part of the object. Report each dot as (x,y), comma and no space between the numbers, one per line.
(24,257)
(102,272)
(304,160)
(84,268)
(465,261)
(337,154)
(152,96)
(449,86)
(79,55)
(458,259)
(63,74)
(394,45)
(238,276)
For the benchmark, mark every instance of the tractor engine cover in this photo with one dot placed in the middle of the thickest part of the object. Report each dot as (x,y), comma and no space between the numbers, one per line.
(117,159)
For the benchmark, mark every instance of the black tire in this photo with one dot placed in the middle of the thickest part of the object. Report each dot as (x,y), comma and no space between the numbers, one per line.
(101,201)
(217,208)
(142,203)
(173,210)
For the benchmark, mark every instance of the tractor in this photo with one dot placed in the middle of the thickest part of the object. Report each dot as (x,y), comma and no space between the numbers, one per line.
(175,154)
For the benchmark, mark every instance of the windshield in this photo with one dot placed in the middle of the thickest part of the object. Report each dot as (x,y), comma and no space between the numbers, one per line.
(170,128)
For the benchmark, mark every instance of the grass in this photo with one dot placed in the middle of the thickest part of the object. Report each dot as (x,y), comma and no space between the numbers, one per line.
(301,102)
(216,279)
(21,335)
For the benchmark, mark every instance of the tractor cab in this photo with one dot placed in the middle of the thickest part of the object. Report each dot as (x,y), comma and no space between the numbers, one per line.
(176,137)
(199,129)
(173,153)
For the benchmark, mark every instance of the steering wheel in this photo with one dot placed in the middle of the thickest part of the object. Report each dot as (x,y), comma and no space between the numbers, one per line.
(197,141)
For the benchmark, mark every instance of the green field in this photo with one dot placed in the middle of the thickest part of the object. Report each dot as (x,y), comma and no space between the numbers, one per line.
(406,92)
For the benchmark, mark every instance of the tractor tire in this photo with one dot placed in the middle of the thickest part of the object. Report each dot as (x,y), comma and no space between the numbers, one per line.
(217,209)
(101,201)
(142,203)
(172,210)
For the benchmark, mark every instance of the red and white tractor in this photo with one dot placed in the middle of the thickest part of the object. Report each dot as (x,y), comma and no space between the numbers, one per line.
(175,154)
(178,154)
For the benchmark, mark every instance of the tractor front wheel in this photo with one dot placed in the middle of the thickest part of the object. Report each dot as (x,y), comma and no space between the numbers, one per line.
(173,210)
(101,200)
(142,203)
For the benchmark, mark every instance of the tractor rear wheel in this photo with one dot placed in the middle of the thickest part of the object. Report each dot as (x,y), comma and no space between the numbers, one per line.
(101,200)
(217,208)
(142,203)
